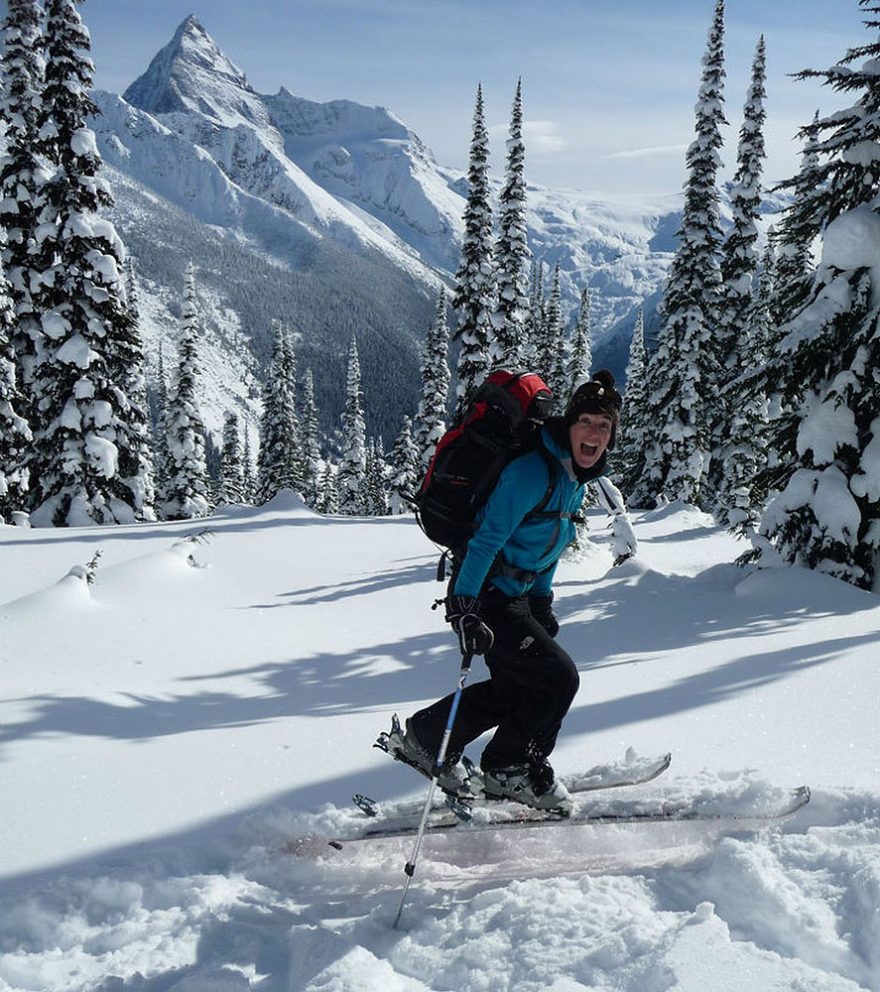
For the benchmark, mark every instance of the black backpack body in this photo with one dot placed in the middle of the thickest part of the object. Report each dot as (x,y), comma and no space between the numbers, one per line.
(502,421)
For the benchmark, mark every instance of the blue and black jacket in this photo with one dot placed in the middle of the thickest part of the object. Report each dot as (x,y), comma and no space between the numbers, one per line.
(513,547)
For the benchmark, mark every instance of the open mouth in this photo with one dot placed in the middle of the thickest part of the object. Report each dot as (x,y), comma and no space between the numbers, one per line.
(589,450)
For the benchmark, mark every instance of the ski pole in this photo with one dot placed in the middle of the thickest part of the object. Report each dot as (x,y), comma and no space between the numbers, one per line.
(410,867)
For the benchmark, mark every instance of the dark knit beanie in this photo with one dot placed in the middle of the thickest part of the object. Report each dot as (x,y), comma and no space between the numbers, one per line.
(596,396)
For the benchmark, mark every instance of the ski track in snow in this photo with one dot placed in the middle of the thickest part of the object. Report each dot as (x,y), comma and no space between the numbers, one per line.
(165,827)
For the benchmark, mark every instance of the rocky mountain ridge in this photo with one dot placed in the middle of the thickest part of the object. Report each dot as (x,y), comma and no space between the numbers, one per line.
(336,219)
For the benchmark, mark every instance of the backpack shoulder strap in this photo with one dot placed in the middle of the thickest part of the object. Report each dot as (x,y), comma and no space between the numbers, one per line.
(552,477)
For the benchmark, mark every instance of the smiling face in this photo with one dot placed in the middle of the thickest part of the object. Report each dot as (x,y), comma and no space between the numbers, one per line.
(589,436)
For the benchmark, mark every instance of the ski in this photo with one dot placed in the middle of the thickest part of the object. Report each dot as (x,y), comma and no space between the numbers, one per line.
(520,817)
(631,770)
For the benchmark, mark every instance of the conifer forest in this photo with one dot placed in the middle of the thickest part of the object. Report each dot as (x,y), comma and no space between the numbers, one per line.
(756,396)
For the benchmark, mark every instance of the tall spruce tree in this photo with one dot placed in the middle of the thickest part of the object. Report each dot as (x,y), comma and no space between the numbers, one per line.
(310,441)
(430,420)
(473,300)
(510,319)
(752,388)
(23,172)
(186,486)
(277,458)
(352,463)
(797,231)
(535,321)
(580,355)
(161,458)
(376,498)
(293,469)
(231,489)
(405,469)
(128,365)
(551,345)
(15,435)
(737,428)
(828,515)
(681,370)
(635,415)
(91,458)
(328,498)
(248,482)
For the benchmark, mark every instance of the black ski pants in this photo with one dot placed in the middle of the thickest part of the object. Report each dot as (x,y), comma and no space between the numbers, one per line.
(532,685)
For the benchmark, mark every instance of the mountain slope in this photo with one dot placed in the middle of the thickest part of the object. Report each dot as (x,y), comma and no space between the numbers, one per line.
(352,196)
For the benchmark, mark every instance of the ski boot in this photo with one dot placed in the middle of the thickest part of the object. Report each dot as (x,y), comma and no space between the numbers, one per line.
(458,777)
(532,783)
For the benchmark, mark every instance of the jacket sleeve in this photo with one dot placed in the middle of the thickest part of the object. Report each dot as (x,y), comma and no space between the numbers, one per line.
(519,489)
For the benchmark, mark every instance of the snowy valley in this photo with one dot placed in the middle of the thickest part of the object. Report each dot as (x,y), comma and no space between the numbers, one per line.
(182,734)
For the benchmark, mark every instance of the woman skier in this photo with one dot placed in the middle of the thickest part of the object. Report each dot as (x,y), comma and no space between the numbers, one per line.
(500,605)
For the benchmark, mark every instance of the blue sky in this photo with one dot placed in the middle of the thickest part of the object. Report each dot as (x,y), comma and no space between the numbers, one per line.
(608,85)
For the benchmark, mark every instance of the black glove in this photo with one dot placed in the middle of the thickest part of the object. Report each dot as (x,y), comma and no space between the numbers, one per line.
(541,608)
(474,637)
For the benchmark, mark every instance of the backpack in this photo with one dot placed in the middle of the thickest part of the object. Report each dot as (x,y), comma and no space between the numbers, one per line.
(501,422)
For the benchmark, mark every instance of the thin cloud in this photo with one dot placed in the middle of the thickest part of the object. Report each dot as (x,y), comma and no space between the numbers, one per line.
(540,137)
(648,152)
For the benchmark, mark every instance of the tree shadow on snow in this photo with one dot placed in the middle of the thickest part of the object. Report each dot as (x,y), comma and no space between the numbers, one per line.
(652,614)
(322,684)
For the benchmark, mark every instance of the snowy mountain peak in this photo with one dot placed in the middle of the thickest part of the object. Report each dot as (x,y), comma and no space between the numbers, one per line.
(191,73)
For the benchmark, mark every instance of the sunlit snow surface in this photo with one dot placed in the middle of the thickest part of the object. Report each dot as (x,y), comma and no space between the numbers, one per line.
(180,737)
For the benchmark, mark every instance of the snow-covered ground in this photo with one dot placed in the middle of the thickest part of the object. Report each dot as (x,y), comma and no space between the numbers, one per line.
(178,739)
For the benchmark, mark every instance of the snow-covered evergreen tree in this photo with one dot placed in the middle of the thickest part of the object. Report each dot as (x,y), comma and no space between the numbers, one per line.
(186,487)
(511,315)
(580,355)
(248,482)
(680,372)
(128,365)
(278,457)
(828,515)
(635,416)
(796,233)
(231,489)
(430,420)
(328,498)
(535,321)
(752,388)
(310,441)
(405,469)
(293,456)
(91,461)
(551,345)
(737,428)
(352,463)
(22,175)
(473,300)
(161,459)
(15,435)
(376,476)
(794,238)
